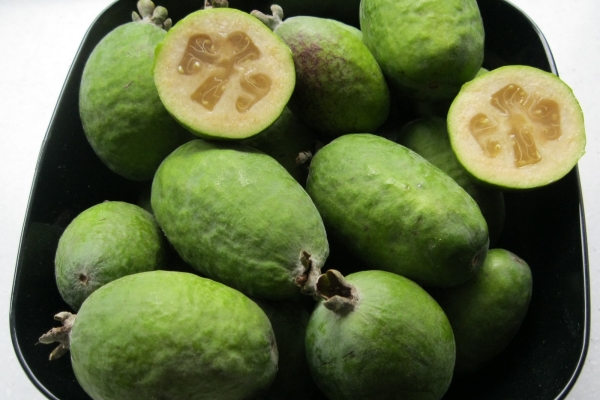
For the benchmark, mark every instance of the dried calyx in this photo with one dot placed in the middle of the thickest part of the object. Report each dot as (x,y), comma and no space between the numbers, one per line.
(310,270)
(339,296)
(149,13)
(272,21)
(215,4)
(60,335)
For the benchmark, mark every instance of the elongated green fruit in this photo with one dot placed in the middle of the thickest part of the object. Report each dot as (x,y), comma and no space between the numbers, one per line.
(169,335)
(237,216)
(397,211)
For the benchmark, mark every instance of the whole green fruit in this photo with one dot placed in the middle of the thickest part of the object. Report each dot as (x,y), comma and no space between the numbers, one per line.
(172,335)
(378,335)
(237,216)
(105,242)
(340,88)
(487,311)
(426,48)
(428,136)
(396,211)
(122,115)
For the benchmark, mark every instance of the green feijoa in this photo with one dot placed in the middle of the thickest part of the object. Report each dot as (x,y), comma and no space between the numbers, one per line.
(378,335)
(103,243)
(237,216)
(487,311)
(123,118)
(223,74)
(426,48)
(428,136)
(397,211)
(289,141)
(169,335)
(289,319)
(339,86)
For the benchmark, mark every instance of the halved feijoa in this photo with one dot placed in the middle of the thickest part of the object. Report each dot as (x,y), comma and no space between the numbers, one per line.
(517,127)
(223,74)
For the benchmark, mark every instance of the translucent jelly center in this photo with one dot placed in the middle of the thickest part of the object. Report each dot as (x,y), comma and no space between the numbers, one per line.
(529,120)
(219,59)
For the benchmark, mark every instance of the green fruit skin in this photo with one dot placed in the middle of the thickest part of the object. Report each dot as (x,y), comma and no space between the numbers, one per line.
(284,140)
(289,320)
(339,86)
(396,344)
(122,115)
(105,242)
(426,48)
(428,136)
(487,311)
(237,216)
(397,211)
(172,335)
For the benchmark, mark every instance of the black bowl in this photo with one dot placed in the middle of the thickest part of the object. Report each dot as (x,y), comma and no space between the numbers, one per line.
(544,226)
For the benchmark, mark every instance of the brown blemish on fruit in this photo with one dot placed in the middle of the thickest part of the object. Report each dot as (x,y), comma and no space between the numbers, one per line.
(531,119)
(83,279)
(224,57)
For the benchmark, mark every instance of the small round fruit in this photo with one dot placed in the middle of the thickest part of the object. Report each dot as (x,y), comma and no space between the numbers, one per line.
(378,335)
(123,118)
(171,335)
(487,311)
(223,74)
(517,127)
(105,242)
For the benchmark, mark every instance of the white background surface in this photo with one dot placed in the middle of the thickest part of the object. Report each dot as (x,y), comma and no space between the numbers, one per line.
(39,40)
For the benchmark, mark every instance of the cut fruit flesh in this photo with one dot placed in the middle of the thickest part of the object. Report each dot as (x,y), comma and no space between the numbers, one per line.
(223,74)
(517,127)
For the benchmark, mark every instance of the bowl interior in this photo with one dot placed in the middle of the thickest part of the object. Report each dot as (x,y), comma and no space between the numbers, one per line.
(543,226)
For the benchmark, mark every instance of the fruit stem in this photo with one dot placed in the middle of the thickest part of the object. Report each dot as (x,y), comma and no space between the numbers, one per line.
(340,296)
(62,335)
(151,14)
(272,21)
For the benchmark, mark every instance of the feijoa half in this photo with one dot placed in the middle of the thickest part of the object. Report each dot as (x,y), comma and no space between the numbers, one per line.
(517,127)
(223,74)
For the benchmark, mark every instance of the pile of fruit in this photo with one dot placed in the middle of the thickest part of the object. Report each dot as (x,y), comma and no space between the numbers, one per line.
(273,144)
